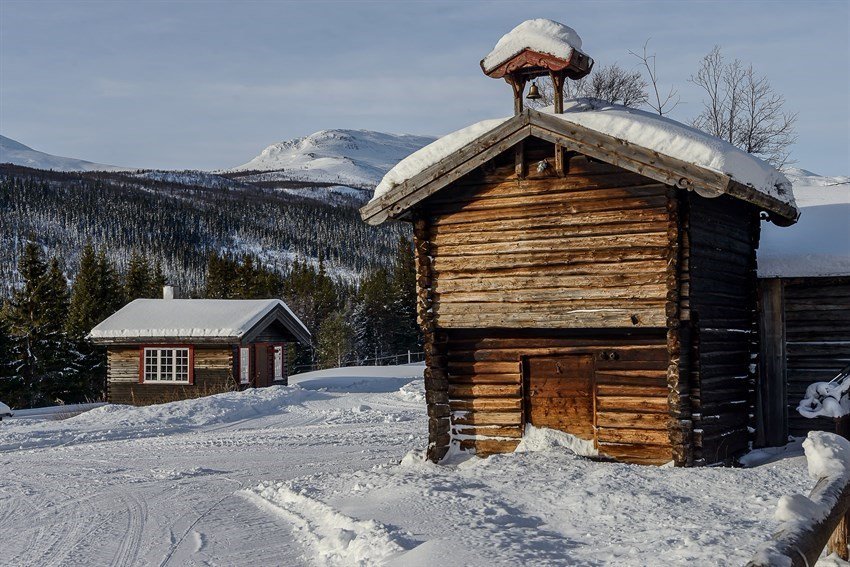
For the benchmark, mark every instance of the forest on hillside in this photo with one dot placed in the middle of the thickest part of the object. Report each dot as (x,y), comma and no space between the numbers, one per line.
(47,359)
(179,221)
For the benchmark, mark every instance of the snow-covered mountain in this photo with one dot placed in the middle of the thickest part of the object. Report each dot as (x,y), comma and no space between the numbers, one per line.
(353,158)
(16,153)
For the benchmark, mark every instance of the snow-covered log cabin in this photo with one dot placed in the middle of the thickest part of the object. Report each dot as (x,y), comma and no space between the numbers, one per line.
(587,267)
(804,277)
(169,349)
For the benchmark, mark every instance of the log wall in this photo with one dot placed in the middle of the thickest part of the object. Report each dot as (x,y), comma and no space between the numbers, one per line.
(817,335)
(213,374)
(720,309)
(485,388)
(588,249)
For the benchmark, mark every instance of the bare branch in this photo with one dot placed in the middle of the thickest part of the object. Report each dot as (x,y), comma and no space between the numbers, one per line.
(665,104)
(742,108)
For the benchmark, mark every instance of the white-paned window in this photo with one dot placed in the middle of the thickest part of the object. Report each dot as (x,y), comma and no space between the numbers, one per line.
(278,363)
(166,365)
(244,365)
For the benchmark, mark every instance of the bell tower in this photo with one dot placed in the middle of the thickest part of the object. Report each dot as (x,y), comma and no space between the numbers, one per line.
(537,48)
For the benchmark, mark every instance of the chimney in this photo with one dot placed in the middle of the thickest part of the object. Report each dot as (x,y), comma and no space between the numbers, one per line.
(168,292)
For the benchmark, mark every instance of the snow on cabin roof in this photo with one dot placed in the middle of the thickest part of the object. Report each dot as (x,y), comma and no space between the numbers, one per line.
(818,245)
(637,127)
(541,35)
(188,318)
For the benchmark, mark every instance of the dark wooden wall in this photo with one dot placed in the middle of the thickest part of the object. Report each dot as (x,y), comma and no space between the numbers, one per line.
(213,374)
(817,341)
(719,297)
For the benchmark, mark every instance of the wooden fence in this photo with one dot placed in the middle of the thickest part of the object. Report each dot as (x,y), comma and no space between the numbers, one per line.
(801,543)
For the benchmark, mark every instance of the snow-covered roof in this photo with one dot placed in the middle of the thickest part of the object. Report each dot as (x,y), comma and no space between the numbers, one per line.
(540,35)
(818,245)
(636,127)
(191,318)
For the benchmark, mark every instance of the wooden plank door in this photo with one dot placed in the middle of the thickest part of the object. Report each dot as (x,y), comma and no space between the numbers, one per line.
(559,394)
(262,374)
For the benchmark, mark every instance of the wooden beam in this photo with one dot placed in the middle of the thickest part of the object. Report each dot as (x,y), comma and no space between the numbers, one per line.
(771,409)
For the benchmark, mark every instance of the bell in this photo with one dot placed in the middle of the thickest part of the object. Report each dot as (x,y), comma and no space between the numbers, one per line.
(533,92)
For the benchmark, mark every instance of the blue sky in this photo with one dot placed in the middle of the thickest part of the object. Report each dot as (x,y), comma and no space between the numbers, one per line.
(210,84)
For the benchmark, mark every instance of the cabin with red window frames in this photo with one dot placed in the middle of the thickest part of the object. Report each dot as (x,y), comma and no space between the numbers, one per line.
(161,350)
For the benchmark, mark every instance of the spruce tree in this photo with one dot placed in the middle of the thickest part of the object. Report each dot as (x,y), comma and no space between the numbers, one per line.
(110,294)
(157,281)
(137,282)
(31,327)
(406,333)
(85,311)
(334,341)
(373,318)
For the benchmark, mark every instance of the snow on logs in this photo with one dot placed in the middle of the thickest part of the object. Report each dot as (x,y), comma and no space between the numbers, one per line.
(809,523)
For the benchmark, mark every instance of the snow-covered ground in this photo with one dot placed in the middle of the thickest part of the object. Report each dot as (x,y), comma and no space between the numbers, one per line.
(328,471)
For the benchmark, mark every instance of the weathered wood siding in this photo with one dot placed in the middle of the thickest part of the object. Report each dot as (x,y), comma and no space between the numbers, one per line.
(485,388)
(817,335)
(719,298)
(213,374)
(585,250)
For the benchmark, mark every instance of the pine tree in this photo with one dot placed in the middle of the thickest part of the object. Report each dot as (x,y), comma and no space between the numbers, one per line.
(406,333)
(334,341)
(373,316)
(32,327)
(85,311)
(110,294)
(157,281)
(94,297)
(58,377)
(137,282)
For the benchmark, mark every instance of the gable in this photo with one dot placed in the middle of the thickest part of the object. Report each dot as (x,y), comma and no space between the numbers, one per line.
(586,249)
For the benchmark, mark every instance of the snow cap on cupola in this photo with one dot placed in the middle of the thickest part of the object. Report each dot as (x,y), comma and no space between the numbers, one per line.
(538,48)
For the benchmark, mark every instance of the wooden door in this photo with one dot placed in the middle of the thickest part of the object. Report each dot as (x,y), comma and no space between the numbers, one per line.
(559,394)
(262,376)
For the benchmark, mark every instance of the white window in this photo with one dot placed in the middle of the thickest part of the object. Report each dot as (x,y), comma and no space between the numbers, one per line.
(244,365)
(278,363)
(166,365)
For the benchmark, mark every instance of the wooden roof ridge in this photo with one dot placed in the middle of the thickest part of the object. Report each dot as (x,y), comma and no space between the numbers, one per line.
(573,137)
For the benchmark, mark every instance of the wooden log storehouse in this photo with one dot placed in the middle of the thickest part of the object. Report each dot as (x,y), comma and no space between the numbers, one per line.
(589,268)
(161,350)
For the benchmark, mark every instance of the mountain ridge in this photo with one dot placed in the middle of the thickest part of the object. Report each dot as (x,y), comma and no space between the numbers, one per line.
(16,153)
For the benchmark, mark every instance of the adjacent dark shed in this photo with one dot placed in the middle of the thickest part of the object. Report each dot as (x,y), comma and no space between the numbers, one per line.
(804,277)
(162,350)
(591,270)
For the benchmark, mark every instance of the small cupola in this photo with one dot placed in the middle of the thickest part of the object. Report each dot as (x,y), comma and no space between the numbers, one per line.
(537,48)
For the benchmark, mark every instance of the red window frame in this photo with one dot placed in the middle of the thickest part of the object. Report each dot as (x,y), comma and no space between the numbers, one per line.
(191,348)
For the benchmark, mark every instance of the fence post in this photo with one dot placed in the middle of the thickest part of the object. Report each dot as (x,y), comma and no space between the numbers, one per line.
(408,356)
(840,538)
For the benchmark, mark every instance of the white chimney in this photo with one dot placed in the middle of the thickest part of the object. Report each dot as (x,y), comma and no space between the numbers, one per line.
(168,292)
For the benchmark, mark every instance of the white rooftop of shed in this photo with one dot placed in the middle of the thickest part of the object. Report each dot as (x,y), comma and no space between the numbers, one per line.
(818,245)
(636,127)
(189,318)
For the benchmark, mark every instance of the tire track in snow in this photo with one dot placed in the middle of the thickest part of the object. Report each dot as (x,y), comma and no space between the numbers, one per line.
(128,550)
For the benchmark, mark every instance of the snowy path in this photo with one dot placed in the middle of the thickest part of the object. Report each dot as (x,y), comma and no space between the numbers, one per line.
(164,487)
(310,475)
